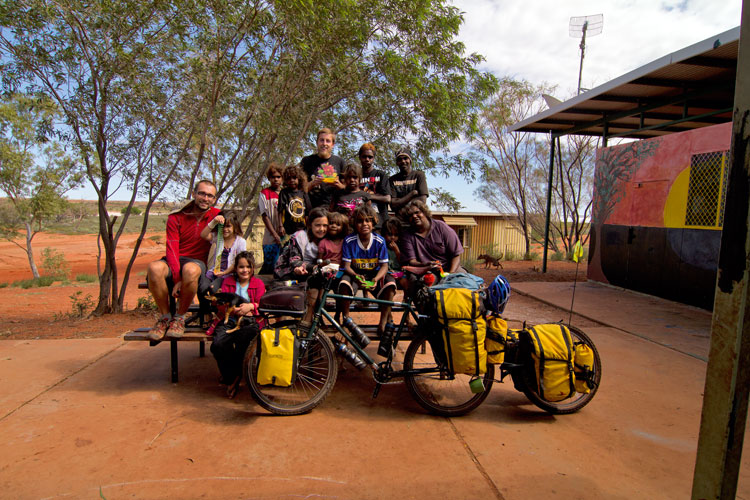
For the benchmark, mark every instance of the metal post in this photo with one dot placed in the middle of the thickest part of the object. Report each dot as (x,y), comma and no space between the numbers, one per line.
(583,50)
(725,400)
(549,200)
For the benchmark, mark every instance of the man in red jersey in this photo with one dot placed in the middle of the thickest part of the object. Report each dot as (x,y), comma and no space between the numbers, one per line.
(184,266)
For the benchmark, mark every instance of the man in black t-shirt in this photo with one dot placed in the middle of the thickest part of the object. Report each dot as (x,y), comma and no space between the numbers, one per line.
(374,182)
(320,188)
(407,184)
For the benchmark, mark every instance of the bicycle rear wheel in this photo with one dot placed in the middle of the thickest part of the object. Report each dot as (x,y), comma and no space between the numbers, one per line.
(316,375)
(574,403)
(436,390)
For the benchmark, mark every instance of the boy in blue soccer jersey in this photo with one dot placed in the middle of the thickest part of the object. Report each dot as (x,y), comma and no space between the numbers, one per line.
(365,258)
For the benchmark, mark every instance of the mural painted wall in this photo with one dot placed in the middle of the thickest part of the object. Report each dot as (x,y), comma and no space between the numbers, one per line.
(658,212)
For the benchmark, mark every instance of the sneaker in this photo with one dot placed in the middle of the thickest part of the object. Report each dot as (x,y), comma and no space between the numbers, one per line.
(176,327)
(159,329)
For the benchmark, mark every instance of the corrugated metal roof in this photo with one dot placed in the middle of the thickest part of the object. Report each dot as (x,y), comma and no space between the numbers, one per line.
(453,220)
(690,88)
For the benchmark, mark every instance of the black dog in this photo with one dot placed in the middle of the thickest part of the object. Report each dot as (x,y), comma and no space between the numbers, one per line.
(231,301)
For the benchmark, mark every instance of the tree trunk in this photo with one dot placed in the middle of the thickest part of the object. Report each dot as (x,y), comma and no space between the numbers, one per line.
(30,251)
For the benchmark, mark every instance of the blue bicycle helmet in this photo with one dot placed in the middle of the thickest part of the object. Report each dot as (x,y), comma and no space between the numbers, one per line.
(498,294)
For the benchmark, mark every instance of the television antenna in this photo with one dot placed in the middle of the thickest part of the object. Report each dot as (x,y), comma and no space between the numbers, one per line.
(581,26)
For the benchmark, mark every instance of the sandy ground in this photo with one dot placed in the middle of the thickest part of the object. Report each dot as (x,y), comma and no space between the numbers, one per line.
(43,312)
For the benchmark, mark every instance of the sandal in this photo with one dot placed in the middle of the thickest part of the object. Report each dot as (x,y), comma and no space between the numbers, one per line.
(233,387)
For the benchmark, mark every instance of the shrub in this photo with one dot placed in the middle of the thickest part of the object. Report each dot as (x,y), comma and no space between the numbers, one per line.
(80,305)
(45,280)
(54,264)
(133,211)
(467,262)
(511,255)
(146,303)
(155,238)
(4,284)
(558,256)
(87,278)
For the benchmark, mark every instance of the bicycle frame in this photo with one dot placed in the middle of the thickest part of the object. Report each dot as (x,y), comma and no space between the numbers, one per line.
(384,368)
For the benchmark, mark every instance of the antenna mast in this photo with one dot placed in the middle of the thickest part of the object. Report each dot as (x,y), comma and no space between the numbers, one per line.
(580,26)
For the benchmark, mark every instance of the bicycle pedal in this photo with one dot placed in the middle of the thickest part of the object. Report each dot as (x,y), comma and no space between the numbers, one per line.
(376,390)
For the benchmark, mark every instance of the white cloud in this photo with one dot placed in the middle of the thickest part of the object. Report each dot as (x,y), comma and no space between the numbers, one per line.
(529,40)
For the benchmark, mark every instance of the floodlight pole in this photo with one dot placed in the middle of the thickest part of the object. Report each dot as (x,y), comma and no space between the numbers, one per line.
(583,50)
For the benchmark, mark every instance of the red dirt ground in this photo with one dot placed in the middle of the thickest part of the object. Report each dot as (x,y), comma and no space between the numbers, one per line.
(43,312)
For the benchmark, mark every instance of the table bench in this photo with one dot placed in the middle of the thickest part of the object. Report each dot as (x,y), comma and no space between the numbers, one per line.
(195,329)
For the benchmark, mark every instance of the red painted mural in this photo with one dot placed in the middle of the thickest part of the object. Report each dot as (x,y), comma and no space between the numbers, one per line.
(657,214)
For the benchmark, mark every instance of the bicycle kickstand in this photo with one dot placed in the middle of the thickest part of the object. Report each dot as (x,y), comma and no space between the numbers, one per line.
(375,391)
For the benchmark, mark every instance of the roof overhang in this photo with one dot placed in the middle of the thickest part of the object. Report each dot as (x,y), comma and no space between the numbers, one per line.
(459,221)
(688,89)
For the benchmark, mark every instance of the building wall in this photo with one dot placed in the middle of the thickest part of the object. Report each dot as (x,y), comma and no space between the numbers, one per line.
(656,225)
(493,234)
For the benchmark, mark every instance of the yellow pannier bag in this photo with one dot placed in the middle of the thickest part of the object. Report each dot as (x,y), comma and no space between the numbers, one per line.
(553,352)
(584,363)
(494,343)
(278,356)
(460,313)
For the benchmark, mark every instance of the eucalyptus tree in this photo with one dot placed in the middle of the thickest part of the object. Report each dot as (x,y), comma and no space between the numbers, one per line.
(158,94)
(35,170)
(514,168)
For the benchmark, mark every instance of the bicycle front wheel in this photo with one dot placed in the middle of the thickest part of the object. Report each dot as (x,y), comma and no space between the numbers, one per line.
(433,387)
(316,375)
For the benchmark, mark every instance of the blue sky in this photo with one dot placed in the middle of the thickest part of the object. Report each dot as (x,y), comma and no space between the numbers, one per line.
(530,40)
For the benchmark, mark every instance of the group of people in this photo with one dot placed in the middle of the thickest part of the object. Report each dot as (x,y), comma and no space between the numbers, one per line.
(322,208)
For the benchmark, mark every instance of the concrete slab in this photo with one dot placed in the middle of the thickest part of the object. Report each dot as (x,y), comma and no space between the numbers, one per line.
(29,367)
(683,328)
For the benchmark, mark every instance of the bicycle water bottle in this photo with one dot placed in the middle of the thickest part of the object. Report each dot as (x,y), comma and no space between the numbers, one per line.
(350,356)
(357,334)
(386,340)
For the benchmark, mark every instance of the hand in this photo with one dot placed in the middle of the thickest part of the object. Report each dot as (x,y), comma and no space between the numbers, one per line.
(220,219)
(414,192)
(317,181)
(277,239)
(176,290)
(301,270)
(339,185)
(244,309)
(393,245)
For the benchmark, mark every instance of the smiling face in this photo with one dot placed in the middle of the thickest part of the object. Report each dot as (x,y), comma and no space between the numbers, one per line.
(334,228)
(204,196)
(244,269)
(404,164)
(325,145)
(227,231)
(319,227)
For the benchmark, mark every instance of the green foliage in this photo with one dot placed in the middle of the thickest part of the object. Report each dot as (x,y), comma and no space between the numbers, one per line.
(443,200)
(468,262)
(558,256)
(156,238)
(133,210)
(146,303)
(33,282)
(511,255)
(86,278)
(54,264)
(159,93)
(4,284)
(80,305)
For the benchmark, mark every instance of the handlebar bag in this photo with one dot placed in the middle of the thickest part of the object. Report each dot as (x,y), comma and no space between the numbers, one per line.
(278,356)
(460,316)
(287,299)
(553,353)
